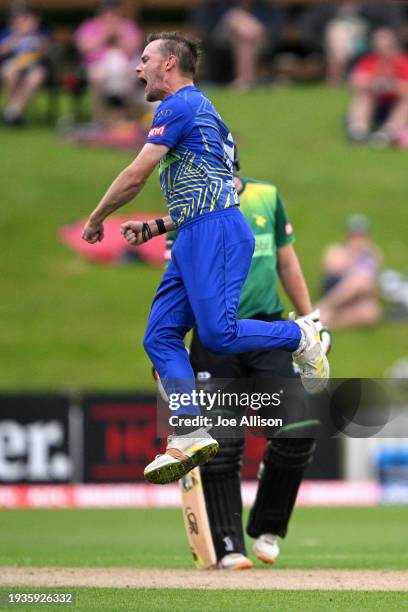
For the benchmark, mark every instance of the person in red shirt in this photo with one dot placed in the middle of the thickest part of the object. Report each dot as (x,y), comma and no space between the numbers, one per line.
(379,84)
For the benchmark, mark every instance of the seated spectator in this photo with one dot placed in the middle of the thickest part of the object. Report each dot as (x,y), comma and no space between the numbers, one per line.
(245,27)
(336,28)
(379,83)
(23,56)
(109,44)
(345,40)
(117,74)
(350,294)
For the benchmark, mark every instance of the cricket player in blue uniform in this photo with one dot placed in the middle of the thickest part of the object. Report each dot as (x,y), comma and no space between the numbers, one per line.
(211,258)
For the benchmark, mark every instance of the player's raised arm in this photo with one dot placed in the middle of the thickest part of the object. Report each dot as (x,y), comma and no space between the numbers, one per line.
(123,189)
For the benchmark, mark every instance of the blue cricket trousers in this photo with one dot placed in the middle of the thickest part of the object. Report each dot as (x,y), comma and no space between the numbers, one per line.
(210,262)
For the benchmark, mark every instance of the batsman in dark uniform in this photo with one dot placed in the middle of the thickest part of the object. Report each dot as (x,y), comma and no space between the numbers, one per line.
(284,459)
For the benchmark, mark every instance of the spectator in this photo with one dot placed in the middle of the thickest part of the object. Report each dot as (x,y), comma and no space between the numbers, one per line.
(336,28)
(23,55)
(105,41)
(350,294)
(345,40)
(118,76)
(379,84)
(246,28)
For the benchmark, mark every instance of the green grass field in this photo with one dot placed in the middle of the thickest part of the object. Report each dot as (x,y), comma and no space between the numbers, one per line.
(69,323)
(173,600)
(359,539)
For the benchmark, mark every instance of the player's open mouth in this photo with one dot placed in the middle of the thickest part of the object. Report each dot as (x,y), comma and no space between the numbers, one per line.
(143,81)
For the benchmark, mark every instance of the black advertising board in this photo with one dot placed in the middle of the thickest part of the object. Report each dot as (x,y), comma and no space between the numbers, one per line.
(119,437)
(34,439)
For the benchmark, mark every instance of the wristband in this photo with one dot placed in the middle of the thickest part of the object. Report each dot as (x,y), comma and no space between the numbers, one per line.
(146,232)
(160,226)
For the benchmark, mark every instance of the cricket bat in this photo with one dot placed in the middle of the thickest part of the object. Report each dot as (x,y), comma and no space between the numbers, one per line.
(196,520)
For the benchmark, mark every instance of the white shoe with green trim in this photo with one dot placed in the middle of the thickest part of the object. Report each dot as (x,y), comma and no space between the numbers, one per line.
(183,453)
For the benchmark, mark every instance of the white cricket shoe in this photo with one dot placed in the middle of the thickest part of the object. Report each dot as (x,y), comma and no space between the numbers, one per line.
(183,453)
(310,357)
(266,548)
(235,561)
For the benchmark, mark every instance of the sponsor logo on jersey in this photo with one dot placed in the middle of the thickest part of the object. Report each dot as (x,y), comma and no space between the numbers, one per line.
(163,114)
(157,131)
(288,229)
(260,220)
(263,245)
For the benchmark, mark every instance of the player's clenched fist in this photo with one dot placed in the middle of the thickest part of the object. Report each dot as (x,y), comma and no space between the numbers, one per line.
(133,232)
(93,232)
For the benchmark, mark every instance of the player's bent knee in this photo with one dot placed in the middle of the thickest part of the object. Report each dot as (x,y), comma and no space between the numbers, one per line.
(216,340)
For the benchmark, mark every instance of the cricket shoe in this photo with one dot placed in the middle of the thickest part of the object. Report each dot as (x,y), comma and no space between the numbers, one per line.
(235,561)
(266,548)
(310,357)
(183,453)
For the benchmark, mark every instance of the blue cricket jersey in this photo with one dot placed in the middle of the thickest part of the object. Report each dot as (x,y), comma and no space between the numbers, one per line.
(196,174)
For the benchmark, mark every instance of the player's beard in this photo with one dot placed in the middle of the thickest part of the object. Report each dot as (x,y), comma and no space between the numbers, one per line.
(154,94)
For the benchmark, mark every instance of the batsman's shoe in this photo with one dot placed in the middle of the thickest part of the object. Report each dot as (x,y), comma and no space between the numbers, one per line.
(310,357)
(183,453)
(266,548)
(235,561)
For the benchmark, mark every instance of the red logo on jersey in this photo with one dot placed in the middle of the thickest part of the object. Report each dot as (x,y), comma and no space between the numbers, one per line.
(288,229)
(157,131)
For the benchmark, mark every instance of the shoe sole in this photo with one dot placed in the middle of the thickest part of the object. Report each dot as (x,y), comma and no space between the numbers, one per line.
(265,559)
(174,471)
(243,565)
